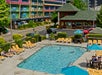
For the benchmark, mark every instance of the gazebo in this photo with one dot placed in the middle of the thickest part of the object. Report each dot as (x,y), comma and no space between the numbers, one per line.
(70,16)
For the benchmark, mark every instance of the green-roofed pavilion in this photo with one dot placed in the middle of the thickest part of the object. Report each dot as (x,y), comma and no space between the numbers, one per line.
(67,8)
(69,15)
(86,15)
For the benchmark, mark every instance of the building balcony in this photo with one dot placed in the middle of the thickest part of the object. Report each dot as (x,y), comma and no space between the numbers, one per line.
(49,10)
(34,3)
(24,2)
(24,10)
(48,4)
(13,2)
(58,1)
(14,10)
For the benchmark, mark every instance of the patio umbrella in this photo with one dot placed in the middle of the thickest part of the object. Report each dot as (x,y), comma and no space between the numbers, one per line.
(94,47)
(74,70)
(78,31)
(85,31)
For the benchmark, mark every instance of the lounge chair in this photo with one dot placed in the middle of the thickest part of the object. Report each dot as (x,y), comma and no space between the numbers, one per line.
(69,40)
(94,41)
(99,42)
(98,53)
(89,42)
(18,48)
(31,44)
(2,57)
(62,40)
(65,40)
(15,49)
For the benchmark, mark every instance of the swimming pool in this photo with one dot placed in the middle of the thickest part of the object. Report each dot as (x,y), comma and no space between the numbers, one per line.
(52,58)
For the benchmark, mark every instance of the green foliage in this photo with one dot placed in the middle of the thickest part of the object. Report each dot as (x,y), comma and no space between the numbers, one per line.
(37,37)
(78,36)
(17,36)
(45,22)
(80,4)
(62,35)
(43,37)
(27,38)
(54,17)
(2,40)
(19,42)
(31,24)
(4,13)
(5,47)
(30,34)
(99,18)
(94,35)
(52,36)
(1,50)
(49,31)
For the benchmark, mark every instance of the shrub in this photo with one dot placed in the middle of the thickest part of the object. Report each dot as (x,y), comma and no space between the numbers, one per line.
(30,34)
(0,50)
(37,37)
(17,36)
(19,43)
(43,37)
(94,35)
(31,23)
(27,38)
(2,40)
(33,40)
(5,47)
(62,35)
(49,31)
(78,36)
(52,36)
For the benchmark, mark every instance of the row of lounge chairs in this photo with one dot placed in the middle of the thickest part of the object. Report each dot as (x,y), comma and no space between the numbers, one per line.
(98,53)
(94,42)
(65,40)
(94,71)
(28,44)
(15,49)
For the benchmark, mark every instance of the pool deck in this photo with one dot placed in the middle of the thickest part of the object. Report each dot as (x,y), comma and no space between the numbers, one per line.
(9,65)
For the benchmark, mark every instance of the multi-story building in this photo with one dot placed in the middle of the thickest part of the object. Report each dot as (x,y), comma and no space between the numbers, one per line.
(33,9)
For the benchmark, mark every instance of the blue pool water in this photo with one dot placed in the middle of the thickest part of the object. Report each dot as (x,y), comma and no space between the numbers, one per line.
(52,58)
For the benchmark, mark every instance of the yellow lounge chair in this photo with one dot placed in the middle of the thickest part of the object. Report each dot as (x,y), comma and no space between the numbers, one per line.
(89,42)
(69,40)
(58,40)
(98,53)
(18,48)
(31,44)
(2,57)
(65,40)
(94,41)
(26,45)
(62,40)
(99,42)
(15,49)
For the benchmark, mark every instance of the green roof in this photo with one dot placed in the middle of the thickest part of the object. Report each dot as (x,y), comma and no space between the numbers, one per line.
(67,7)
(82,15)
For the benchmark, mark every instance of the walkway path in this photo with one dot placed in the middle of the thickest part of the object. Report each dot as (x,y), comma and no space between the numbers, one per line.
(39,29)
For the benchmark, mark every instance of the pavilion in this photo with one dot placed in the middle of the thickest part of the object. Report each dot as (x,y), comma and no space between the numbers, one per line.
(70,16)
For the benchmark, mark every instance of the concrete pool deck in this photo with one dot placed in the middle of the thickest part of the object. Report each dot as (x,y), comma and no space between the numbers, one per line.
(9,65)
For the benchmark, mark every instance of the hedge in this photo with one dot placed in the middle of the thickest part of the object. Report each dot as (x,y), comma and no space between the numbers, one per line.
(94,35)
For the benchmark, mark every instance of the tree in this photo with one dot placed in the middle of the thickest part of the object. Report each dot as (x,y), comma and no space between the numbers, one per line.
(99,18)
(54,17)
(79,4)
(4,13)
